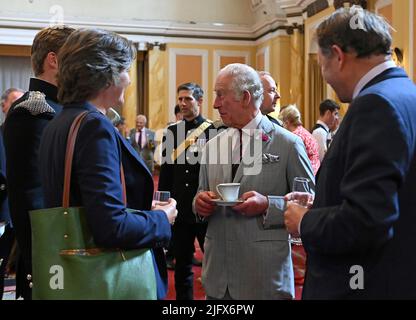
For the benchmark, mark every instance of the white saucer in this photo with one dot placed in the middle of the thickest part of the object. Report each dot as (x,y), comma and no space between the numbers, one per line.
(221,202)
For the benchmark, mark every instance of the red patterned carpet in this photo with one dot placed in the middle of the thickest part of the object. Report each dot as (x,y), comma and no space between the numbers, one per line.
(199,293)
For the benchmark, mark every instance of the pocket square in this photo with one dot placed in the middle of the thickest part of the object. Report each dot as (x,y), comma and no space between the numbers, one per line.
(270,158)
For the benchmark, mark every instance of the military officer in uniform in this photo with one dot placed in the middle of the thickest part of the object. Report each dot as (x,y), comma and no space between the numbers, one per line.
(182,146)
(23,129)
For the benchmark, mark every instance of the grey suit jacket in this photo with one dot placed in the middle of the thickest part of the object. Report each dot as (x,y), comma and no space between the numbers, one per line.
(240,253)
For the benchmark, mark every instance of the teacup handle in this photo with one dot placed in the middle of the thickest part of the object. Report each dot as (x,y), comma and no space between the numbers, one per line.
(218,191)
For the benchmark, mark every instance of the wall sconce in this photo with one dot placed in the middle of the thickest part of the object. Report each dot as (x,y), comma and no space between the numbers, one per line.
(161,46)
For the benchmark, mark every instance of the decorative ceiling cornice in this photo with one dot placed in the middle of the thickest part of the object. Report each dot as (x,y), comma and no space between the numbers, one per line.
(267,17)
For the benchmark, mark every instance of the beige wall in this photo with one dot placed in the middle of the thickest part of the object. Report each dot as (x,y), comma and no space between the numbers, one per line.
(311,47)
(158,89)
(284,52)
(159,77)
(402,25)
(387,13)
(190,69)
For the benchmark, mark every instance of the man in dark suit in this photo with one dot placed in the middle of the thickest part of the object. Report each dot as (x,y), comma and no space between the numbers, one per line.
(360,232)
(179,174)
(23,129)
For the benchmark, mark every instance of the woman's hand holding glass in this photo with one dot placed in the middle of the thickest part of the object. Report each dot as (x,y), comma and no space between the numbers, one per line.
(163,201)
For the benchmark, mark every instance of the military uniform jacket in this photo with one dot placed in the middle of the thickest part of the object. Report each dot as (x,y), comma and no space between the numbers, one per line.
(23,130)
(181,176)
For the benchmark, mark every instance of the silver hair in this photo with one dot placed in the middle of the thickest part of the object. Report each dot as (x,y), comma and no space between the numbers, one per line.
(244,78)
(292,114)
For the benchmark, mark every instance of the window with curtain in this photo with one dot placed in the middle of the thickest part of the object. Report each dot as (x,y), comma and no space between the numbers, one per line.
(14,72)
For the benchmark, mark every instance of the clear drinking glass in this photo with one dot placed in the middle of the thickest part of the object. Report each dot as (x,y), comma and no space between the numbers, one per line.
(300,184)
(113,115)
(161,196)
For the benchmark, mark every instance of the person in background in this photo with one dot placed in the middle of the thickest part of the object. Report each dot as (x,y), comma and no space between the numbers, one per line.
(333,130)
(23,129)
(142,140)
(328,115)
(178,113)
(179,175)
(8,97)
(291,119)
(102,59)
(270,96)
(360,231)
(122,128)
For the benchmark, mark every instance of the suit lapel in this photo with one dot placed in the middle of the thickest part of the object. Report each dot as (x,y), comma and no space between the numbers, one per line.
(132,152)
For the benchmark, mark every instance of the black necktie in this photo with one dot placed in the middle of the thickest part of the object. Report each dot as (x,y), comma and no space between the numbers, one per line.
(240,146)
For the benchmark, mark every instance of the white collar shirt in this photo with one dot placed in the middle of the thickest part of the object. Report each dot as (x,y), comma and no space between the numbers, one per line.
(247,131)
(370,75)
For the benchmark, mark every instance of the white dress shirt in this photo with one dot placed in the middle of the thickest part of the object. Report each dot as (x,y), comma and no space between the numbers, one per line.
(321,137)
(247,131)
(143,142)
(370,75)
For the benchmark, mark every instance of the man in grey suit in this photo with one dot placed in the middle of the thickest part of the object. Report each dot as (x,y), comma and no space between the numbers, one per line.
(142,140)
(247,250)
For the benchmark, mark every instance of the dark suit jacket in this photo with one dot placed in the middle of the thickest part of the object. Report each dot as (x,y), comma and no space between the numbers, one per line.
(4,206)
(23,129)
(364,213)
(95,185)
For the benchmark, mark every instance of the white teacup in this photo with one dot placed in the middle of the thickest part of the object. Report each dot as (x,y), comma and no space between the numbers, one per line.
(228,191)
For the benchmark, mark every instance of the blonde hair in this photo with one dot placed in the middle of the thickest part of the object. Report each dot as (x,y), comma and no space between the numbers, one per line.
(291,114)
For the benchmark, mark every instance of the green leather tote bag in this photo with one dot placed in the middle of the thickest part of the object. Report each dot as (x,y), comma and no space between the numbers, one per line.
(68,265)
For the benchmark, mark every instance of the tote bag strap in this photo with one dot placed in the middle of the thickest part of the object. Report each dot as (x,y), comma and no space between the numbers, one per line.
(69,154)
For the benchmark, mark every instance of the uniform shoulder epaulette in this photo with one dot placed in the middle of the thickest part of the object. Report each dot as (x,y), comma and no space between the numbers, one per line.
(35,103)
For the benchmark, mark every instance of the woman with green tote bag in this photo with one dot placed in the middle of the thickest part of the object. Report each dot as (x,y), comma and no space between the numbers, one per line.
(88,245)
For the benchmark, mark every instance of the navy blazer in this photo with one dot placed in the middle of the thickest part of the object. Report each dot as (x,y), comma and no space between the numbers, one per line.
(95,184)
(363,222)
